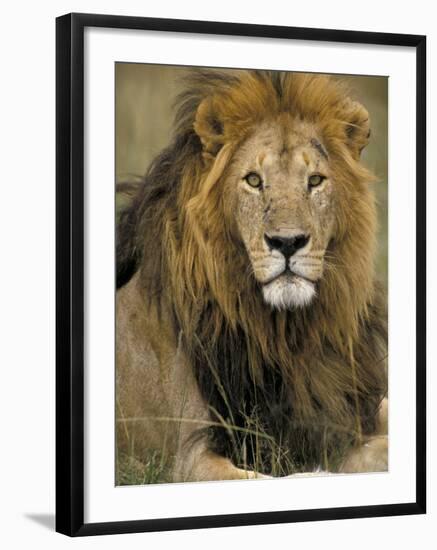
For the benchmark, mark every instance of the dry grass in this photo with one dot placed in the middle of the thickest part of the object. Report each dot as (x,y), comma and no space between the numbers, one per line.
(154,469)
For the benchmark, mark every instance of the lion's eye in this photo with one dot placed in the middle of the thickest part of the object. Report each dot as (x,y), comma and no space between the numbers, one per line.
(253,179)
(315,179)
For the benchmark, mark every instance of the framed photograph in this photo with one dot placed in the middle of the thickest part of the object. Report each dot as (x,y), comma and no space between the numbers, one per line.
(240,274)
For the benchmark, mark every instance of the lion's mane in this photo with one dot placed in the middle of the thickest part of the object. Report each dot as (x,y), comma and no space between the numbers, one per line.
(311,378)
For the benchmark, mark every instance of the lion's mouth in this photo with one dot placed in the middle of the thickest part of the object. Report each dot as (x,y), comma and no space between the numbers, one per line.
(289,276)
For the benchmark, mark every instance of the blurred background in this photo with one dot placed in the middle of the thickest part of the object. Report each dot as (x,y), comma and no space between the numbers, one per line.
(144,99)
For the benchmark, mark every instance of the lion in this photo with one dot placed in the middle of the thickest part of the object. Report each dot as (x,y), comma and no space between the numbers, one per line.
(251,331)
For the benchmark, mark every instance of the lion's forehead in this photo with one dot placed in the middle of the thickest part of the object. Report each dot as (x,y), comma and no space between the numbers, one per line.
(296,160)
(272,162)
(278,148)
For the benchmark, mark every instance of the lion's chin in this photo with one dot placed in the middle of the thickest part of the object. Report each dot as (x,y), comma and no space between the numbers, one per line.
(287,292)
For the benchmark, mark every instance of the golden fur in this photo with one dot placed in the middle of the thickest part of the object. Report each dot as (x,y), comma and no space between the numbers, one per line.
(195,302)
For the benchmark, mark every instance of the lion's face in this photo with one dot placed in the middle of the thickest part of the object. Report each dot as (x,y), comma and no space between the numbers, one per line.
(285,208)
(281,176)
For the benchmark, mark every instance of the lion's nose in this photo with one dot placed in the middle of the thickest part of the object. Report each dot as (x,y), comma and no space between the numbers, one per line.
(286,245)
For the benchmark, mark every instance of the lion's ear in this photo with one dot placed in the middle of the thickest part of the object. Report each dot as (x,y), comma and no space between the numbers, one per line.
(209,126)
(357,126)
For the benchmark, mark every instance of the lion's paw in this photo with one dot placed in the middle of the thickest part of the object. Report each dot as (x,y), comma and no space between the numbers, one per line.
(372,456)
(316,473)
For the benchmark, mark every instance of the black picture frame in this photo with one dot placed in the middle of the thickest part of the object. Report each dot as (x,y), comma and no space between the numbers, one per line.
(70,272)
